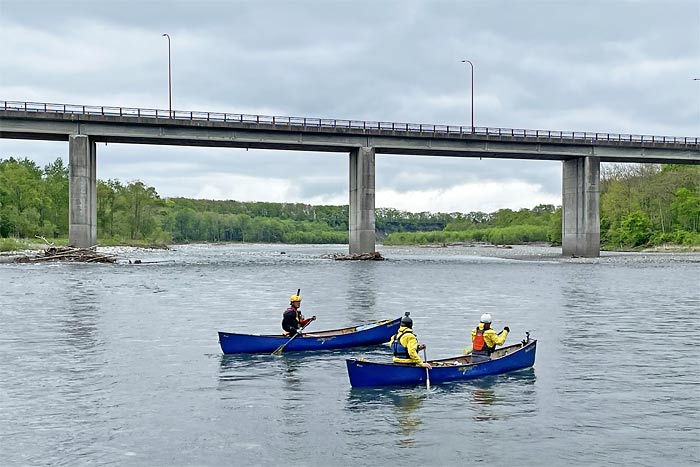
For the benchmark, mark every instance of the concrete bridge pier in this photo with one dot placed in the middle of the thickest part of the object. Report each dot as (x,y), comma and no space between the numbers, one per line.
(361,223)
(580,223)
(82,200)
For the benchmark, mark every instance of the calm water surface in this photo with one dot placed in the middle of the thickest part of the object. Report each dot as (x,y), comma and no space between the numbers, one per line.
(120,364)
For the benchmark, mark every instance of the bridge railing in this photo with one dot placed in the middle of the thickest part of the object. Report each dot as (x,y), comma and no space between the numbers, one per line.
(306,122)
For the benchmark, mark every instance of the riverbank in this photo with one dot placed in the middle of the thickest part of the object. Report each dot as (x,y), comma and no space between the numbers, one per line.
(529,252)
(672,249)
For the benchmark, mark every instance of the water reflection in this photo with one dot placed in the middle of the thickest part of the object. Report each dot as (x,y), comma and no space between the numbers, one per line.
(80,321)
(489,395)
(293,398)
(72,364)
(405,404)
(525,378)
(361,295)
(245,367)
(290,372)
(408,421)
(250,367)
(582,295)
(484,396)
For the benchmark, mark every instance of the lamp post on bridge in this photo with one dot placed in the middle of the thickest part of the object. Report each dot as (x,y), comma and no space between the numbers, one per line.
(170,85)
(472,67)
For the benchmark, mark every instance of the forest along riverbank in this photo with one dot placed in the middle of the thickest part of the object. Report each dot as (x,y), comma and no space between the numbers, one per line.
(646,204)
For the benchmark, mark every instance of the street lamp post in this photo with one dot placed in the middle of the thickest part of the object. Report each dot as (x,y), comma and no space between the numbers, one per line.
(170,81)
(472,67)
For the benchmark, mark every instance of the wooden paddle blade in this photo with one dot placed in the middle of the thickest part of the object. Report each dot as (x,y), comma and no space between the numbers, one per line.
(281,347)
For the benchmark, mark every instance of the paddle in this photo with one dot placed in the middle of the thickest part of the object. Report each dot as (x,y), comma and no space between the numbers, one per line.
(281,347)
(427,372)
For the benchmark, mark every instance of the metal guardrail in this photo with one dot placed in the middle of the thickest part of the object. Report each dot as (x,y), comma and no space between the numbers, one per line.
(306,122)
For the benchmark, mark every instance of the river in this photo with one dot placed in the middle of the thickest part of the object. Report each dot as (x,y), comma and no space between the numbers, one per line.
(119,364)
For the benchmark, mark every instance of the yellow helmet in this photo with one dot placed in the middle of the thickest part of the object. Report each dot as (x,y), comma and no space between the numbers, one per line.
(294,298)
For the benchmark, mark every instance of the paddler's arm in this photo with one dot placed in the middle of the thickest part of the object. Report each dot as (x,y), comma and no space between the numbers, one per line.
(413,350)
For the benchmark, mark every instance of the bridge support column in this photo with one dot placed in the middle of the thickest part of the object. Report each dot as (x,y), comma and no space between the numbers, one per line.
(361,223)
(581,207)
(82,187)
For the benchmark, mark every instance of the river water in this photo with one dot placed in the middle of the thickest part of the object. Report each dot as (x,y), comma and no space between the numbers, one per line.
(119,364)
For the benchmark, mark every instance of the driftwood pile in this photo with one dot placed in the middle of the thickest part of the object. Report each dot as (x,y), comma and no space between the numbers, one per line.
(67,253)
(375,256)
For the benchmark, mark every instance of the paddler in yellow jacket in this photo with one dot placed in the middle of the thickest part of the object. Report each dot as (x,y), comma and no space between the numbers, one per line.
(405,345)
(485,339)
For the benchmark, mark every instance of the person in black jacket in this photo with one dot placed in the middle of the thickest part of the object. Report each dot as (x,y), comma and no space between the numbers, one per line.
(292,319)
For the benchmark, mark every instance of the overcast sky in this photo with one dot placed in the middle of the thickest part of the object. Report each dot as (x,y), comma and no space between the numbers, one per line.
(618,66)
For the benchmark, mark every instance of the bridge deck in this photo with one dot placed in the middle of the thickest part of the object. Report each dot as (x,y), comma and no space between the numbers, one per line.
(30,120)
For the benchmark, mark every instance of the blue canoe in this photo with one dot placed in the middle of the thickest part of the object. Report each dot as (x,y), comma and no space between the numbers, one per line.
(374,333)
(514,357)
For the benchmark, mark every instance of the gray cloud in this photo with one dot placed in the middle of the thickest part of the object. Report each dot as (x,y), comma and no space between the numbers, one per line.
(607,66)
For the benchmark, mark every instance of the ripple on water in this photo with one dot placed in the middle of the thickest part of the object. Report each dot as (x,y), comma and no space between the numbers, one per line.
(120,364)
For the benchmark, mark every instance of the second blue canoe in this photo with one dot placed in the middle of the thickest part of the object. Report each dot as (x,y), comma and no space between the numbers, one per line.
(511,358)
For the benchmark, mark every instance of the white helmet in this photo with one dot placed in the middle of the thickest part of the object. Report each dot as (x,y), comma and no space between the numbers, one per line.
(486,318)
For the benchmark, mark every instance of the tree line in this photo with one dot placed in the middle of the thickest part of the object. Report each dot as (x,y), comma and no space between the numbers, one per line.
(650,204)
(640,205)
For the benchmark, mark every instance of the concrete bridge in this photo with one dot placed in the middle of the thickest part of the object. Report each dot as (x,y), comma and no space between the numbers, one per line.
(580,152)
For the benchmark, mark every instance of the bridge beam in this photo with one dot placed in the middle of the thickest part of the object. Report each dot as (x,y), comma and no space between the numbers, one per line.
(581,207)
(82,201)
(361,223)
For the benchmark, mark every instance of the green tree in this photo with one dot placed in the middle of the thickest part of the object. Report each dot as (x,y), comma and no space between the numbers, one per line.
(686,209)
(635,229)
(110,202)
(141,204)
(22,197)
(55,211)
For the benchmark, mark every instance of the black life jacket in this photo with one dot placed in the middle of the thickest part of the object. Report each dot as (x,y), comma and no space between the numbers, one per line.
(290,320)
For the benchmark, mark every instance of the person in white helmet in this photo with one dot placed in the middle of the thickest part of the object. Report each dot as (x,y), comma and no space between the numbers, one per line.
(485,339)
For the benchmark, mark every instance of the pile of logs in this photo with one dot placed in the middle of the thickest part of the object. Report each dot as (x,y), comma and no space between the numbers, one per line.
(375,256)
(67,253)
